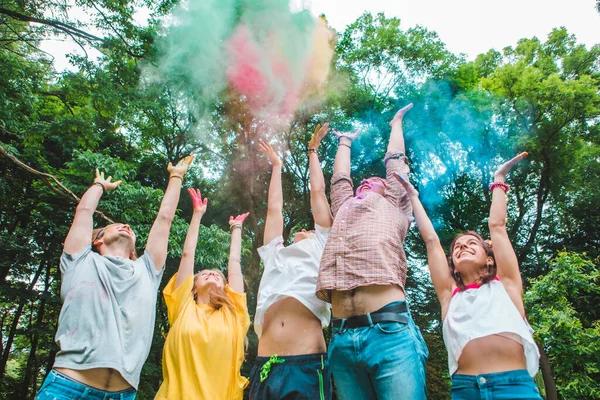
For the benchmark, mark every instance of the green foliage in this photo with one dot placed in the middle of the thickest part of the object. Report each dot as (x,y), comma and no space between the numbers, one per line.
(560,308)
(468,116)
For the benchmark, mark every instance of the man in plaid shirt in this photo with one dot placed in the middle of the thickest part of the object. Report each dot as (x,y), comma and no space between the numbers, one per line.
(376,351)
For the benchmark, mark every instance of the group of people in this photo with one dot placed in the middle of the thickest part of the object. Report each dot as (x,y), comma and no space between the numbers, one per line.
(349,273)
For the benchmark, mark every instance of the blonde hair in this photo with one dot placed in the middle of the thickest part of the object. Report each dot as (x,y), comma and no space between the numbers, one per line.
(218,296)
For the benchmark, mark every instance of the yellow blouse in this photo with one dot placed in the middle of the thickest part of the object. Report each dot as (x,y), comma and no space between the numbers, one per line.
(204,349)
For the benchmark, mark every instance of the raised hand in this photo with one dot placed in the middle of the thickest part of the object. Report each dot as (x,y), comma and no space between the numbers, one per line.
(400,114)
(505,168)
(410,189)
(182,166)
(238,221)
(318,135)
(267,150)
(349,135)
(106,183)
(198,203)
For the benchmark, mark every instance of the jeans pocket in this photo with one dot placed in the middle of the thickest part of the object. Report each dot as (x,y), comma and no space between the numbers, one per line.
(391,327)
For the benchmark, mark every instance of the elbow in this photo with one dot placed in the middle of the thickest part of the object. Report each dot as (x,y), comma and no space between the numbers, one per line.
(83,208)
(432,240)
(165,217)
(188,254)
(497,223)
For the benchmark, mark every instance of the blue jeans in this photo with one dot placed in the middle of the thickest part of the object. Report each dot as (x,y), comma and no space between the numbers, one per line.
(384,361)
(58,386)
(508,385)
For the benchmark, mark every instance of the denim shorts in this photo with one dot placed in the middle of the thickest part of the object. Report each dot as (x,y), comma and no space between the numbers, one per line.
(301,377)
(509,385)
(383,361)
(58,386)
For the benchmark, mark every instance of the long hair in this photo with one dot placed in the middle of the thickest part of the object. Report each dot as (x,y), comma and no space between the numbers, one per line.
(218,296)
(99,232)
(490,271)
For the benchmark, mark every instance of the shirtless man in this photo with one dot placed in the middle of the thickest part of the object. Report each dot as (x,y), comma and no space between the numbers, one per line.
(109,299)
(292,355)
(376,351)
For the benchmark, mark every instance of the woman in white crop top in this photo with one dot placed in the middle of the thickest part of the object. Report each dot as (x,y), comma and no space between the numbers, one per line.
(491,352)
(292,355)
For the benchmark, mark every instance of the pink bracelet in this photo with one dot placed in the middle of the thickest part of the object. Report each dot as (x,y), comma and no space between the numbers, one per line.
(503,185)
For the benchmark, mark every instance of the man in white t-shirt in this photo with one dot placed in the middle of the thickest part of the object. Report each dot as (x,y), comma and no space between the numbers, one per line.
(292,354)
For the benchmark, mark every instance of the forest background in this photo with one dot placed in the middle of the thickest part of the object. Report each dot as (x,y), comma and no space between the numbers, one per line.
(540,96)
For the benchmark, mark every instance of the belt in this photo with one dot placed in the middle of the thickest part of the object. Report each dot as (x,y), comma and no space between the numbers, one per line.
(389,313)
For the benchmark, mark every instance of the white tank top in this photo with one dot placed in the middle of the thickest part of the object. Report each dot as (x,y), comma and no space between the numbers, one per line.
(483,310)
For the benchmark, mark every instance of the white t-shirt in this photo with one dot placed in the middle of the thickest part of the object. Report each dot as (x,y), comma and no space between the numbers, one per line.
(483,310)
(292,272)
(107,317)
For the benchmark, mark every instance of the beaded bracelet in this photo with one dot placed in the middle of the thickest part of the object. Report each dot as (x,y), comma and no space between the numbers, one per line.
(312,151)
(502,185)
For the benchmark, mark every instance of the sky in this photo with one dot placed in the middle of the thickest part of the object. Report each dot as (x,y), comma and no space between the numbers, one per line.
(473,27)
(469,27)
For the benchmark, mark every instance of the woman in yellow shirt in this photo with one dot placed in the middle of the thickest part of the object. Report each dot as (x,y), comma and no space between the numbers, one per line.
(209,319)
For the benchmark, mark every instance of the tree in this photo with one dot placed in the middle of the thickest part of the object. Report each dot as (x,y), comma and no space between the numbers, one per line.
(559,305)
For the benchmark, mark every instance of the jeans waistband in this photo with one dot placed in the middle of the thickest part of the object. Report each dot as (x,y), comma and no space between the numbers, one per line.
(493,378)
(393,311)
(77,384)
(295,360)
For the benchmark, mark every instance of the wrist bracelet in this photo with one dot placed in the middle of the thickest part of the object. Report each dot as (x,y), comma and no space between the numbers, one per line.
(101,185)
(232,227)
(502,185)
(312,151)
(344,144)
(176,176)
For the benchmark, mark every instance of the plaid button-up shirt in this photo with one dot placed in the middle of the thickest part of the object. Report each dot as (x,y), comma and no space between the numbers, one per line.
(365,245)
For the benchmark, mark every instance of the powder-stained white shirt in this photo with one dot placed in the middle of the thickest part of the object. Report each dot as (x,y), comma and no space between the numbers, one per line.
(292,272)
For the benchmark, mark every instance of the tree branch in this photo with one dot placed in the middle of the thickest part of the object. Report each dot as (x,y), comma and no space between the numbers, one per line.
(44,177)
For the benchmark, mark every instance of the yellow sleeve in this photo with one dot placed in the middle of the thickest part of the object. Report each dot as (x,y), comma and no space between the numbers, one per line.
(176,297)
(241,308)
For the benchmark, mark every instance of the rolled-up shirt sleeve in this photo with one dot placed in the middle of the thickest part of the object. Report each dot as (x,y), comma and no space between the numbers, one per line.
(396,162)
(342,189)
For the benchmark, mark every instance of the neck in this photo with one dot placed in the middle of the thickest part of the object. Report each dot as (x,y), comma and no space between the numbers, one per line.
(115,250)
(472,276)
(202,298)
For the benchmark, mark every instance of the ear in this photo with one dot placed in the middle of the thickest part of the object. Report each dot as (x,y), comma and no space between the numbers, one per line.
(97,242)
(489,261)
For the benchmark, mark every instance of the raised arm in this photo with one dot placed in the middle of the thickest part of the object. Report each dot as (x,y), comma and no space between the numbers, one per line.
(436,258)
(342,157)
(80,234)
(158,238)
(274,222)
(318,199)
(506,259)
(395,163)
(186,265)
(234,268)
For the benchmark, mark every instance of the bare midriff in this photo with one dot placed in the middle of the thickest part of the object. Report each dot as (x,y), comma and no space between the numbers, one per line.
(364,299)
(107,379)
(289,329)
(490,354)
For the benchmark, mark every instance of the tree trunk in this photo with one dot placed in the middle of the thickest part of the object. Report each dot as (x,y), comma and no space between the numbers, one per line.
(549,384)
(31,368)
(542,196)
(15,323)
